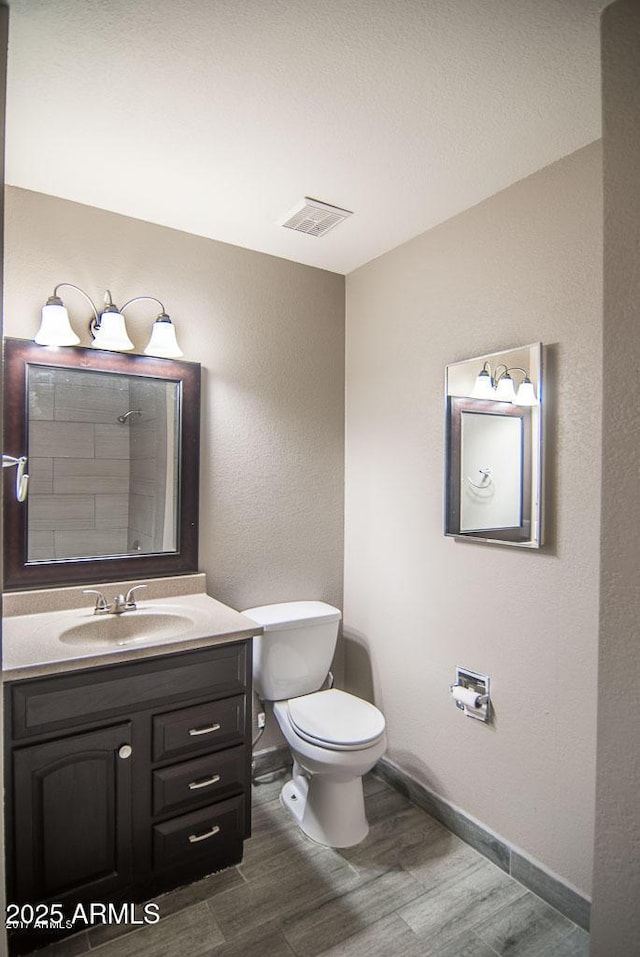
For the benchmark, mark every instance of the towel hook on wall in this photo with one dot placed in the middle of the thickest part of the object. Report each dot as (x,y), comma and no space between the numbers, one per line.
(22,479)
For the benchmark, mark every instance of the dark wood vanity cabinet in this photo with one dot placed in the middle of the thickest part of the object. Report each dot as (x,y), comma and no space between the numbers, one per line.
(72,817)
(126,780)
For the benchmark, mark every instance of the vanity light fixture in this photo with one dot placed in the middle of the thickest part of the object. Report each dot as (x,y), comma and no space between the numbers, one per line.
(55,328)
(163,342)
(498,386)
(108,328)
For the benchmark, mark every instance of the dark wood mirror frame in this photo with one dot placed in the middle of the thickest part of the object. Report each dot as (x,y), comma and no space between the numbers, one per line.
(19,574)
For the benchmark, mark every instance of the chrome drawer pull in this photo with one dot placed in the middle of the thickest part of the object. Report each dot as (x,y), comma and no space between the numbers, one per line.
(194,838)
(210,727)
(204,783)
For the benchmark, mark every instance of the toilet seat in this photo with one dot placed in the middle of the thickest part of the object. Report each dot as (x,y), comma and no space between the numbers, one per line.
(336,720)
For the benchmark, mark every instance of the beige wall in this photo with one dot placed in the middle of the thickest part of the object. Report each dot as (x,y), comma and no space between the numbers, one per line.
(616,893)
(523,266)
(270,337)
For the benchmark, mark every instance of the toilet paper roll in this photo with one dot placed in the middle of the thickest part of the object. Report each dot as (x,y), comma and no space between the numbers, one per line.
(465,696)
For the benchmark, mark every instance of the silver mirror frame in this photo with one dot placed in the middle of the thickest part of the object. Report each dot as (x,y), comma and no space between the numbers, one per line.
(459,380)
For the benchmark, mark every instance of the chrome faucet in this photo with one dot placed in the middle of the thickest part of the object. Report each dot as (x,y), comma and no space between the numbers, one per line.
(117,606)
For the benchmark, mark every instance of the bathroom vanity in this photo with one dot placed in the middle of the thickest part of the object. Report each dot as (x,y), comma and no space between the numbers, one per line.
(127,720)
(127,768)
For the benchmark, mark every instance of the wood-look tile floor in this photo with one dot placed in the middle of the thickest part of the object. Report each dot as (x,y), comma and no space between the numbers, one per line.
(411,889)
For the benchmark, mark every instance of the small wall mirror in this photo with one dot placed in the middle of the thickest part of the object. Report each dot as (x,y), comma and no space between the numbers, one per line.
(494,447)
(112,445)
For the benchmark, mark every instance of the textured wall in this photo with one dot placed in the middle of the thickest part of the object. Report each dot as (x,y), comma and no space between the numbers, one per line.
(270,336)
(522,266)
(616,892)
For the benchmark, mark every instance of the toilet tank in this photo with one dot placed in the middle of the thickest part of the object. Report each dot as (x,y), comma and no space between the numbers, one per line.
(294,654)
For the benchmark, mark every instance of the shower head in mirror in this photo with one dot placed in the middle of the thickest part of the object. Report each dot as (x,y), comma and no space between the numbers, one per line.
(124,418)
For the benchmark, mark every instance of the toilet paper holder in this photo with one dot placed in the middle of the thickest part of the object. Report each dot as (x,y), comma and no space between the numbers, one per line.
(471,694)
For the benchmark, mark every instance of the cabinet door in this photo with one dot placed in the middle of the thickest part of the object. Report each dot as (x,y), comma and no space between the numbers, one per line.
(72,820)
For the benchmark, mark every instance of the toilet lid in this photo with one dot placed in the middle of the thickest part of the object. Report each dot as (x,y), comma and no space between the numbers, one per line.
(335,718)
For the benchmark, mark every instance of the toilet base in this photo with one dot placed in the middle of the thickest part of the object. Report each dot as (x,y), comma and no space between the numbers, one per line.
(329,812)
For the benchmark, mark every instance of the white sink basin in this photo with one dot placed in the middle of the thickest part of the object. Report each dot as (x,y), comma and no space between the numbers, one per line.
(44,642)
(107,631)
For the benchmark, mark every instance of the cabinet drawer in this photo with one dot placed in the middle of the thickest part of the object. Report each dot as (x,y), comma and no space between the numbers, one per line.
(213,832)
(211,778)
(48,704)
(216,724)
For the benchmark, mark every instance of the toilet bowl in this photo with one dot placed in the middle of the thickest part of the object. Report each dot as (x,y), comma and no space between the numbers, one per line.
(334,737)
(330,757)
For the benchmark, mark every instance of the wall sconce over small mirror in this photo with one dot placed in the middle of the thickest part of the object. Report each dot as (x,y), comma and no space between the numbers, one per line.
(494,447)
(498,386)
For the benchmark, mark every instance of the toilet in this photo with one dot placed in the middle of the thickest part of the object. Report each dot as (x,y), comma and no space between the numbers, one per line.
(334,737)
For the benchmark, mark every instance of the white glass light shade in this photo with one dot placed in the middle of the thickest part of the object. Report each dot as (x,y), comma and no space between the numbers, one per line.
(526,394)
(163,342)
(55,329)
(483,388)
(504,389)
(112,334)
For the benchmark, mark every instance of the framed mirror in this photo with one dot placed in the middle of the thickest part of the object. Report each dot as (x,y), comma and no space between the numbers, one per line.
(494,448)
(112,446)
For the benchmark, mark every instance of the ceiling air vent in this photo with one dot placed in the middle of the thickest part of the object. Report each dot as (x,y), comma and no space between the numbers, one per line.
(313,217)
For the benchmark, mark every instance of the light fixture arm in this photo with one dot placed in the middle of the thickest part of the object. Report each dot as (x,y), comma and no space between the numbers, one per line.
(506,371)
(495,378)
(87,297)
(109,305)
(149,299)
(515,369)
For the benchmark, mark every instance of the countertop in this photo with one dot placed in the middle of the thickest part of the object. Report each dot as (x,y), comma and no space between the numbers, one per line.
(34,644)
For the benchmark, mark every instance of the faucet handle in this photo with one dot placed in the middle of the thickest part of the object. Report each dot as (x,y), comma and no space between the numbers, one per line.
(128,598)
(101,601)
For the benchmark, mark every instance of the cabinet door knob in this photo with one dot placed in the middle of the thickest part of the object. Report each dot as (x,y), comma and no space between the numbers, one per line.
(125,751)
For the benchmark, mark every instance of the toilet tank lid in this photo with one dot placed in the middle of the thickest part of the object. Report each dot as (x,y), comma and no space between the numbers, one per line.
(290,614)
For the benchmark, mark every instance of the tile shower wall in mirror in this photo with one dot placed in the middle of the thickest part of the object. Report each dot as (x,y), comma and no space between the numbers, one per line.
(102,461)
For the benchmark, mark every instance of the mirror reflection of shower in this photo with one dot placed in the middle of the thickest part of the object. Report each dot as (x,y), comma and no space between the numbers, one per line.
(124,430)
(124,418)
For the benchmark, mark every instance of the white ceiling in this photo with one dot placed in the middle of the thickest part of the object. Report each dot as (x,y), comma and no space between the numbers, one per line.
(218,116)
